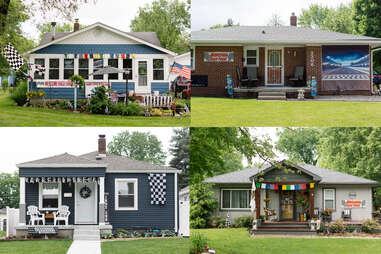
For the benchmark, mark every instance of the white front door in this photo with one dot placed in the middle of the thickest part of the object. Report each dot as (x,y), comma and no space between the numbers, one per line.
(143,85)
(86,199)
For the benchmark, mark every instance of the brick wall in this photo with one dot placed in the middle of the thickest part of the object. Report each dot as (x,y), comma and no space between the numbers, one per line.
(293,57)
(313,64)
(216,71)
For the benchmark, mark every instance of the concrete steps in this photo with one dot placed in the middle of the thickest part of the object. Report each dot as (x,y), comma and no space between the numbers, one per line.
(271,95)
(89,233)
(284,228)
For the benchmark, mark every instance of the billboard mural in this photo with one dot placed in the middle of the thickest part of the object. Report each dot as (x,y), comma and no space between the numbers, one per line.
(345,68)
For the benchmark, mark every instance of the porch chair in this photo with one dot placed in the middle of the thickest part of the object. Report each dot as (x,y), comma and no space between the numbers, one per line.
(346,214)
(316,213)
(252,73)
(35,215)
(62,215)
(240,79)
(298,75)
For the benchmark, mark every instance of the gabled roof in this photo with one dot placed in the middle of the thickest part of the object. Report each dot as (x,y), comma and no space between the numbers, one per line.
(277,35)
(64,160)
(138,37)
(327,176)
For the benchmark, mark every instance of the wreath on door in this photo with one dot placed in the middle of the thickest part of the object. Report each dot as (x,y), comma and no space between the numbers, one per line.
(85,192)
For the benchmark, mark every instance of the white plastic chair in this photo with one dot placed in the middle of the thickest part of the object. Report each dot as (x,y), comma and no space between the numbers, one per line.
(35,215)
(62,215)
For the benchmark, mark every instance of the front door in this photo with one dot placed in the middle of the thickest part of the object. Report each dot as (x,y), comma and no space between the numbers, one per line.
(287,200)
(86,198)
(274,67)
(143,86)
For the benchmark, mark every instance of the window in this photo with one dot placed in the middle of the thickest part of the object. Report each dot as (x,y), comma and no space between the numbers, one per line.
(41,62)
(113,63)
(158,69)
(274,58)
(329,199)
(54,68)
(235,199)
(126,193)
(68,68)
(50,196)
(251,57)
(98,64)
(83,69)
(127,65)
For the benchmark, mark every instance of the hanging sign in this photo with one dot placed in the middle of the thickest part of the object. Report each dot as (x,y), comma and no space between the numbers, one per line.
(55,84)
(219,57)
(354,203)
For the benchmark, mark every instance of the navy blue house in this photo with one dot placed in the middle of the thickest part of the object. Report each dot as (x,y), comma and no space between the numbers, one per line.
(105,190)
(89,49)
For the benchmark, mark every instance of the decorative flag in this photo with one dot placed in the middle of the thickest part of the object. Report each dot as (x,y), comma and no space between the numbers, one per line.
(40,70)
(186,72)
(263,186)
(101,56)
(258,185)
(65,55)
(252,200)
(15,61)
(275,186)
(292,187)
(123,56)
(86,56)
(288,187)
(297,187)
(284,187)
(304,186)
(158,184)
(312,185)
(176,67)
(267,186)
(271,186)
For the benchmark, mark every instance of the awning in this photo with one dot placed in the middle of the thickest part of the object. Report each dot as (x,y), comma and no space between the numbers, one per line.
(64,179)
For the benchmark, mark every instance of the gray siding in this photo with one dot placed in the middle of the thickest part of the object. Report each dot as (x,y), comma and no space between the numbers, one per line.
(57,172)
(147,215)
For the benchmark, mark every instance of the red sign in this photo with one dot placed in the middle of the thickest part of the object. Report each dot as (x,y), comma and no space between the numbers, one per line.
(61,84)
(219,57)
(353,203)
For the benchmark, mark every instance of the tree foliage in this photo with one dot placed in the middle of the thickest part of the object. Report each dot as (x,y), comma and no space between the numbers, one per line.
(367,17)
(179,149)
(9,190)
(60,27)
(202,204)
(275,20)
(141,146)
(229,23)
(170,19)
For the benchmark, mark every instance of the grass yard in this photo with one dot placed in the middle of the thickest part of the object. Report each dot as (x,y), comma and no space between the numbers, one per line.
(250,112)
(11,115)
(238,241)
(147,246)
(35,246)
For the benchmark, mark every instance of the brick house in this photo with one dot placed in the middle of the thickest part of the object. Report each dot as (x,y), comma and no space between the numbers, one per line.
(341,63)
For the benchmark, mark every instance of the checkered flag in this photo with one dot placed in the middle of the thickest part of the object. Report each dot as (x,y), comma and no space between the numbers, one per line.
(40,70)
(158,184)
(13,57)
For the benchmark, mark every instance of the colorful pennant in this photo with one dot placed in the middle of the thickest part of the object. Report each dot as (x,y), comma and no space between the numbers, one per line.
(268,186)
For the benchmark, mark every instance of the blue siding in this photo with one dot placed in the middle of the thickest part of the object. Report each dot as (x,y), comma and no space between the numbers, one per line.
(31,197)
(56,172)
(147,216)
(58,93)
(162,87)
(70,202)
(120,87)
(98,49)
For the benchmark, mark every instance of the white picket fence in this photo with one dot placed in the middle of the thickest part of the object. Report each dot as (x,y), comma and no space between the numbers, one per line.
(184,218)
(157,101)
(12,221)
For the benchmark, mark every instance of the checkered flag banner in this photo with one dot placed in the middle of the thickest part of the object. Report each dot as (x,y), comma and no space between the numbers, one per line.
(158,185)
(13,57)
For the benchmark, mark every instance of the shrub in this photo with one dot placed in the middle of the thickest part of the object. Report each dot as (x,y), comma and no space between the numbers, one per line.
(19,93)
(202,203)
(243,222)
(337,226)
(216,222)
(99,102)
(198,243)
(350,228)
(119,109)
(134,109)
(156,112)
(369,226)
(322,229)
(106,236)
(168,232)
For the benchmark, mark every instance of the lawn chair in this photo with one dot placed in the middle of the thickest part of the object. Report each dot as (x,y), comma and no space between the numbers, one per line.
(346,214)
(252,73)
(62,215)
(35,215)
(240,79)
(298,75)
(316,213)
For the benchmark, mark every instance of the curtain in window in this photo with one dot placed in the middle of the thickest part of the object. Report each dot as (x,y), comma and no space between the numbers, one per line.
(239,199)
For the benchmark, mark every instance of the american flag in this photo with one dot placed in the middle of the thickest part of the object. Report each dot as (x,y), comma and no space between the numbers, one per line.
(184,70)
(176,67)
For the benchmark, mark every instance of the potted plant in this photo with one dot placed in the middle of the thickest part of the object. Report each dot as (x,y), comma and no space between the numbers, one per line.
(327,215)
(78,82)
(302,202)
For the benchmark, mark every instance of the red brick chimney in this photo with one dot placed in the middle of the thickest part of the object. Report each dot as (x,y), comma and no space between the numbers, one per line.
(293,20)
(102,145)
(76,25)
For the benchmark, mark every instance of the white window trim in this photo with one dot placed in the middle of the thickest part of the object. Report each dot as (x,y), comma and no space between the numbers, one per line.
(334,198)
(221,206)
(129,180)
(40,198)
(246,48)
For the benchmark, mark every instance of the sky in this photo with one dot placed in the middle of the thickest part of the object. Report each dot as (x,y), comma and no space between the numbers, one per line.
(248,12)
(26,144)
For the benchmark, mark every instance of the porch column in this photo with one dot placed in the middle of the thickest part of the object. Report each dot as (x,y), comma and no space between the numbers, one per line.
(22,206)
(258,202)
(101,200)
(312,201)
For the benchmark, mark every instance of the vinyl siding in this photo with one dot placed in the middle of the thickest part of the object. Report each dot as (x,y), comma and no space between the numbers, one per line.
(120,87)
(98,49)
(61,172)
(58,93)
(162,87)
(147,216)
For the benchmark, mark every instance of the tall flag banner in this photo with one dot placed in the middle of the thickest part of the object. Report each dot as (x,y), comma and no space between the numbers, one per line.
(176,67)
(184,70)
(15,61)
(312,185)
(252,200)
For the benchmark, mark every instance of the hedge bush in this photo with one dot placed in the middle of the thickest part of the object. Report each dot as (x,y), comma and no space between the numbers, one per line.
(19,93)
(216,222)
(243,222)
(369,226)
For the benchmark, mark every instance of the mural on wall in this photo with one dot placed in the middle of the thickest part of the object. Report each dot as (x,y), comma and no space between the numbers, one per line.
(345,68)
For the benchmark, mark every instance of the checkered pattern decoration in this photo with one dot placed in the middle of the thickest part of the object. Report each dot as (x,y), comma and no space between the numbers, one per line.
(158,186)
(40,70)
(13,57)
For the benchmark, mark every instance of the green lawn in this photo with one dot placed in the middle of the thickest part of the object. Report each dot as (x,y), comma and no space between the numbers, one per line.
(35,246)
(11,115)
(251,112)
(238,241)
(147,246)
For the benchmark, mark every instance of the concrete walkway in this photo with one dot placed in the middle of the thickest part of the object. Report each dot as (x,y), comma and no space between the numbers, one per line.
(82,247)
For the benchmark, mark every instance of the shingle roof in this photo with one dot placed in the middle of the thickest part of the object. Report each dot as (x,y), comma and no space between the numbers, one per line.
(272,34)
(116,163)
(328,176)
(61,160)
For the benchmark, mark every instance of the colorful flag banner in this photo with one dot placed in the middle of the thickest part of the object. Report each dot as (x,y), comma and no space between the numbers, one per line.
(13,58)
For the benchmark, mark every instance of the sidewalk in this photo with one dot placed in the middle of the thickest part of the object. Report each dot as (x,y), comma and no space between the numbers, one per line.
(81,247)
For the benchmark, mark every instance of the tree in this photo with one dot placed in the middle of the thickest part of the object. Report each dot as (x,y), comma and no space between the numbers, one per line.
(321,17)
(141,146)
(229,23)
(202,204)
(300,144)
(170,19)
(47,28)
(180,151)
(9,190)
(275,20)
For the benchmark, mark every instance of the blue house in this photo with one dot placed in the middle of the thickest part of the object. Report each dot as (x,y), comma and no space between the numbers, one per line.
(102,191)
(87,50)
